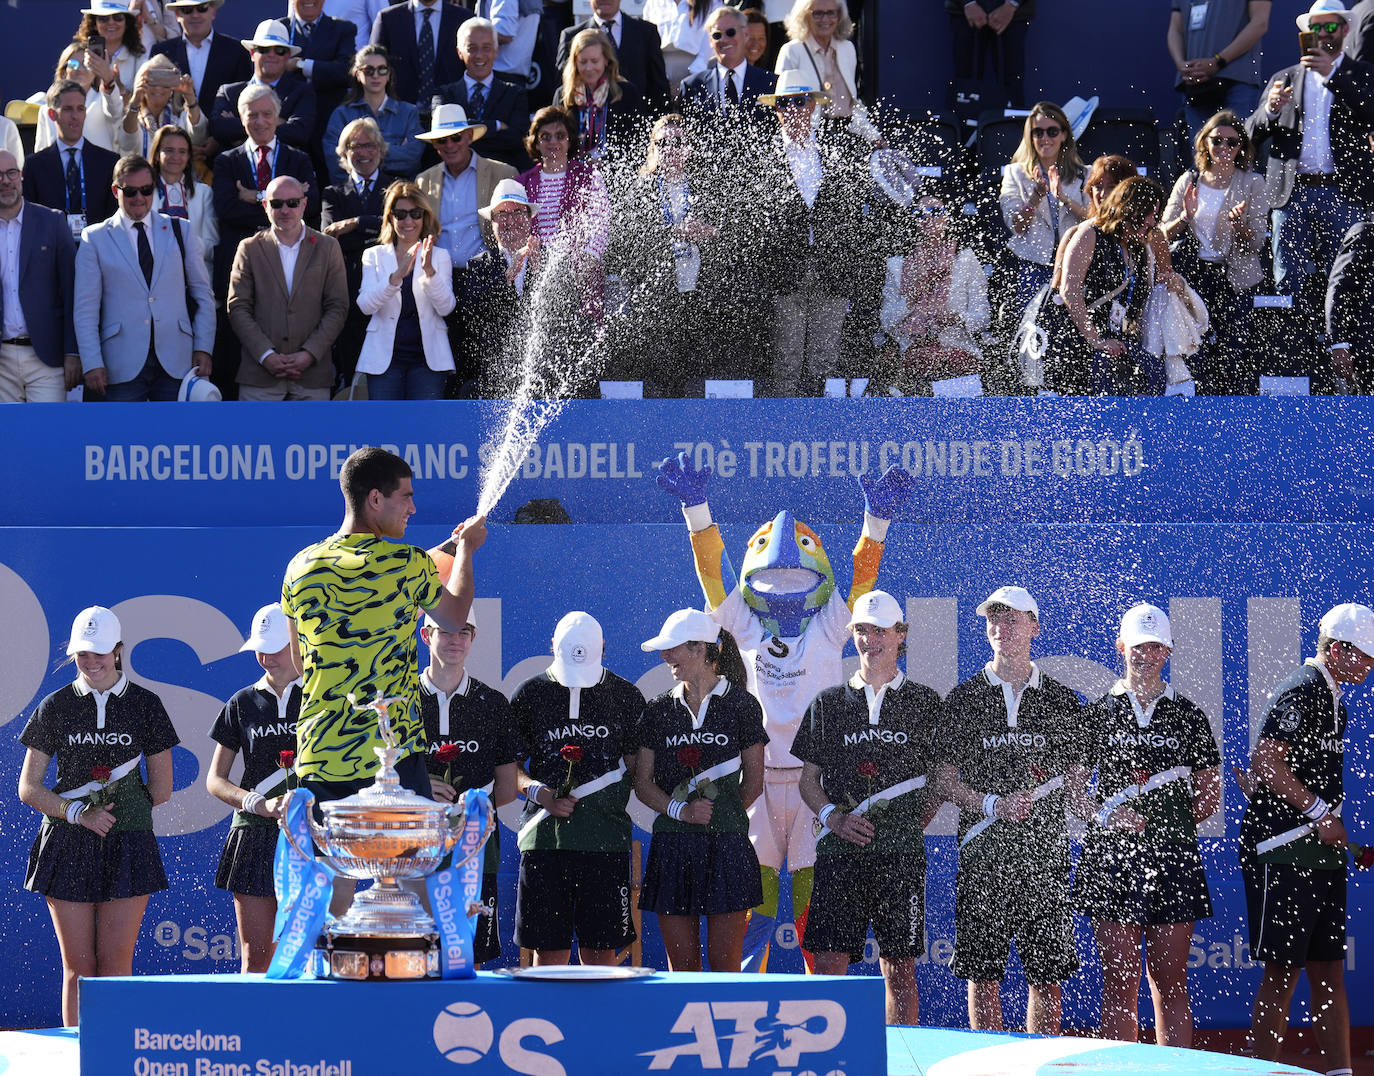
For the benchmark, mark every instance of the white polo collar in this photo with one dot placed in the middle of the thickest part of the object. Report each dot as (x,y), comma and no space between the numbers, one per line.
(1010,696)
(874,696)
(1143,716)
(427,686)
(680,693)
(102,698)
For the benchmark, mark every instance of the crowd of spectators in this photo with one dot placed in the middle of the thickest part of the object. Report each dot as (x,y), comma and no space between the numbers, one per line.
(706,200)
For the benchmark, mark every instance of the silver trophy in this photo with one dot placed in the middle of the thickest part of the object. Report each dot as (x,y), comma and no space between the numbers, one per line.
(384,834)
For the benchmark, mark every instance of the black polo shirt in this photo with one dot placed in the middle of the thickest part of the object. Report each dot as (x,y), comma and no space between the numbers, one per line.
(256,724)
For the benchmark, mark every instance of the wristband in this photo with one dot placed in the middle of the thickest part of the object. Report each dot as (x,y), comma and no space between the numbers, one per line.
(532,792)
(1318,809)
(990,804)
(74,810)
(674,810)
(824,813)
(1104,814)
(1220,61)
(251,802)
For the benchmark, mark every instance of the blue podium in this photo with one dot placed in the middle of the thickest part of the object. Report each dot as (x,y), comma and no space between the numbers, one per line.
(244,1025)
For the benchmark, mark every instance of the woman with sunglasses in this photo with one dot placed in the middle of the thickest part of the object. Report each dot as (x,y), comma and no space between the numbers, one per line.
(819,33)
(608,110)
(935,303)
(370,98)
(95,858)
(104,109)
(162,97)
(1216,218)
(1041,197)
(179,194)
(408,291)
(109,30)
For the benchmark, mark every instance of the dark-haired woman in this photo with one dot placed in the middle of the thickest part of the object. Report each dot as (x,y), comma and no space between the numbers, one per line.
(370,98)
(111,26)
(178,194)
(1221,212)
(95,858)
(700,766)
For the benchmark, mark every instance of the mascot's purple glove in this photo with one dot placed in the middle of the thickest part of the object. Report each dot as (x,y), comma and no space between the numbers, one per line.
(677,475)
(885,496)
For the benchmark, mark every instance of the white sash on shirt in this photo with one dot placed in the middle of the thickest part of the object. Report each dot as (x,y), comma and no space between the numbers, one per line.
(122,770)
(587,788)
(1054,784)
(882,796)
(720,769)
(1130,792)
(1288,836)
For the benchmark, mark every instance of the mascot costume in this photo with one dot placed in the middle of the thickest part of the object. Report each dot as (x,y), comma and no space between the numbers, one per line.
(791,626)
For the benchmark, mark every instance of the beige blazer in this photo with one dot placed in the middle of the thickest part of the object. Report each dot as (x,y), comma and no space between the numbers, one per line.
(265,318)
(1242,259)
(489,173)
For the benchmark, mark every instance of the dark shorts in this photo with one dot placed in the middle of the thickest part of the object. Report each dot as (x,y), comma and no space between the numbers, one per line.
(411,770)
(1296,914)
(1121,880)
(701,874)
(991,911)
(245,864)
(850,892)
(569,894)
(69,862)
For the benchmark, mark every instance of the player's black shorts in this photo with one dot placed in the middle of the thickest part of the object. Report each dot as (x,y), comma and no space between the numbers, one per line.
(563,894)
(852,891)
(1122,879)
(991,910)
(1296,913)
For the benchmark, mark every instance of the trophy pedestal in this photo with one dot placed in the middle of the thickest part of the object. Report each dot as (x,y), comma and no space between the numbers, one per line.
(361,957)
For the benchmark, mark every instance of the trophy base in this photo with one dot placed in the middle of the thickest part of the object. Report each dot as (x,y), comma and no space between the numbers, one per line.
(362,958)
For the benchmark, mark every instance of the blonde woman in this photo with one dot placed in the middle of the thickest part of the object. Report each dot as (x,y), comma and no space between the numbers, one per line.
(162,97)
(608,111)
(408,291)
(104,108)
(819,33)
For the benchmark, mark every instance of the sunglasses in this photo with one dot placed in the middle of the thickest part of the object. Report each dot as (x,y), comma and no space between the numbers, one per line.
(199,9)
(1326,27)
(414,213)
(1220,140)
(73,64)
(716,35)
(670,143)
(276,50)
(109,18)
(142,192)
(284,203)
(931,211)
(376,72)
(447,139)
(792,102)
(1047,132)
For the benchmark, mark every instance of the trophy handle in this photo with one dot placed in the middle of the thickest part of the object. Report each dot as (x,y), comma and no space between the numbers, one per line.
(457,816)
(316,831)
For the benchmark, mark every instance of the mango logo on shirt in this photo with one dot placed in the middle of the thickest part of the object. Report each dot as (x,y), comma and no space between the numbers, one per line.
(1143,739)
(100,739)
(1016,739)
(717,738)
(599,732)
(886,736)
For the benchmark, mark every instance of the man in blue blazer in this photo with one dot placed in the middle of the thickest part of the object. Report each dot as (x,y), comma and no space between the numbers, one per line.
(637,48)
(219,59)
(271,50)
(135,284)
(38,360)
(327,45)
(730,87)
(488,97)
(71,175)
(401,29)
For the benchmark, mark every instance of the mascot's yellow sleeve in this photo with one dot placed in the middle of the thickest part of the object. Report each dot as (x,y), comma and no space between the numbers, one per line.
(715,573)
(868,554)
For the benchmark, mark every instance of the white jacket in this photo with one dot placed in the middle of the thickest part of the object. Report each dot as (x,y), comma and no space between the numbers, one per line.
(379,297)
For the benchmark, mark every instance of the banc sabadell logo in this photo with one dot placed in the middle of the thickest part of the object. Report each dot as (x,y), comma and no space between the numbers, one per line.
(772,1035)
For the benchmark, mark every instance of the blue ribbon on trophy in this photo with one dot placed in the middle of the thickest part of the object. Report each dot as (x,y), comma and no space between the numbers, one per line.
(304,887)
(455,894)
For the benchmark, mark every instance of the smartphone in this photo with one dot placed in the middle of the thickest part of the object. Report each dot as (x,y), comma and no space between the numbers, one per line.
(164,77)
(96,45)
(1307,41)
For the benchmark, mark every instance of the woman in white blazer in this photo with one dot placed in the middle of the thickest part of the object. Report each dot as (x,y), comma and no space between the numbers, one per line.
(408,291)
(819,44)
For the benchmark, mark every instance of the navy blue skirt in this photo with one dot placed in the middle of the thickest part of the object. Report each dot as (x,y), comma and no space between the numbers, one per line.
(69,862)
(245,864)
(701,874)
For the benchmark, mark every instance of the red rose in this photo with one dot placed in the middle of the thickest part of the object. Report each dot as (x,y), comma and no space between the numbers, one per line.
(1039,774)
(287,760)
(570,752)
(868,769)
(449,752)
(1139,777)
(689,756)
(1362,854)
(101,773)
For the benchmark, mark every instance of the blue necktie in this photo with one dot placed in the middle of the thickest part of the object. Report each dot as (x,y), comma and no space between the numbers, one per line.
(477,101)
(75,195)
(426,57)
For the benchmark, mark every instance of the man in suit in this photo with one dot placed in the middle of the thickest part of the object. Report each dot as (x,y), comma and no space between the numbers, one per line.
(815,227)
(325,59)
(1349,316)
(38,357)
(731,86)
(1318,174)
(270,50)
(1359,45)
(489,99)
(71,175)
(212,60)
(460,184)
(421,37)
(288,298)
(135,283)
(637,48)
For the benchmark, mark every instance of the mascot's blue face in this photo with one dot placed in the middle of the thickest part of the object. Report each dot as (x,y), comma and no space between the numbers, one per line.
(786,576)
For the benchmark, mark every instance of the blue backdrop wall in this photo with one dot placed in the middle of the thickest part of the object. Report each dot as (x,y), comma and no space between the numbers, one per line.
(1245,519)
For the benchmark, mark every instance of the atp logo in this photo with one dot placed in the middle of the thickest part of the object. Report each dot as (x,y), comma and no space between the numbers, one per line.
(464,1033)
(775,1034)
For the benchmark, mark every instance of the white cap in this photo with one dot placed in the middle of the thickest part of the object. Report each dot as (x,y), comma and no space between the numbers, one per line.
(684,626)
(95,629)
(1145,624)
(1320,8)
(197,389)
(1350,623)
(269,633)
(508,192)
(1012,598)
(272,33)
(577,651)
(878,608)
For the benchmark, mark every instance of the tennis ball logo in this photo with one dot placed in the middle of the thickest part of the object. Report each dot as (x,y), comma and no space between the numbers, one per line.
(463,1033)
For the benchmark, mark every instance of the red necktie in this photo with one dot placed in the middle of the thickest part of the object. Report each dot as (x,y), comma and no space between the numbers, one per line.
(264,169)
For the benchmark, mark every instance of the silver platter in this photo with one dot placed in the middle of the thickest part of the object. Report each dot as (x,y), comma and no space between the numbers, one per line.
(577,973)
